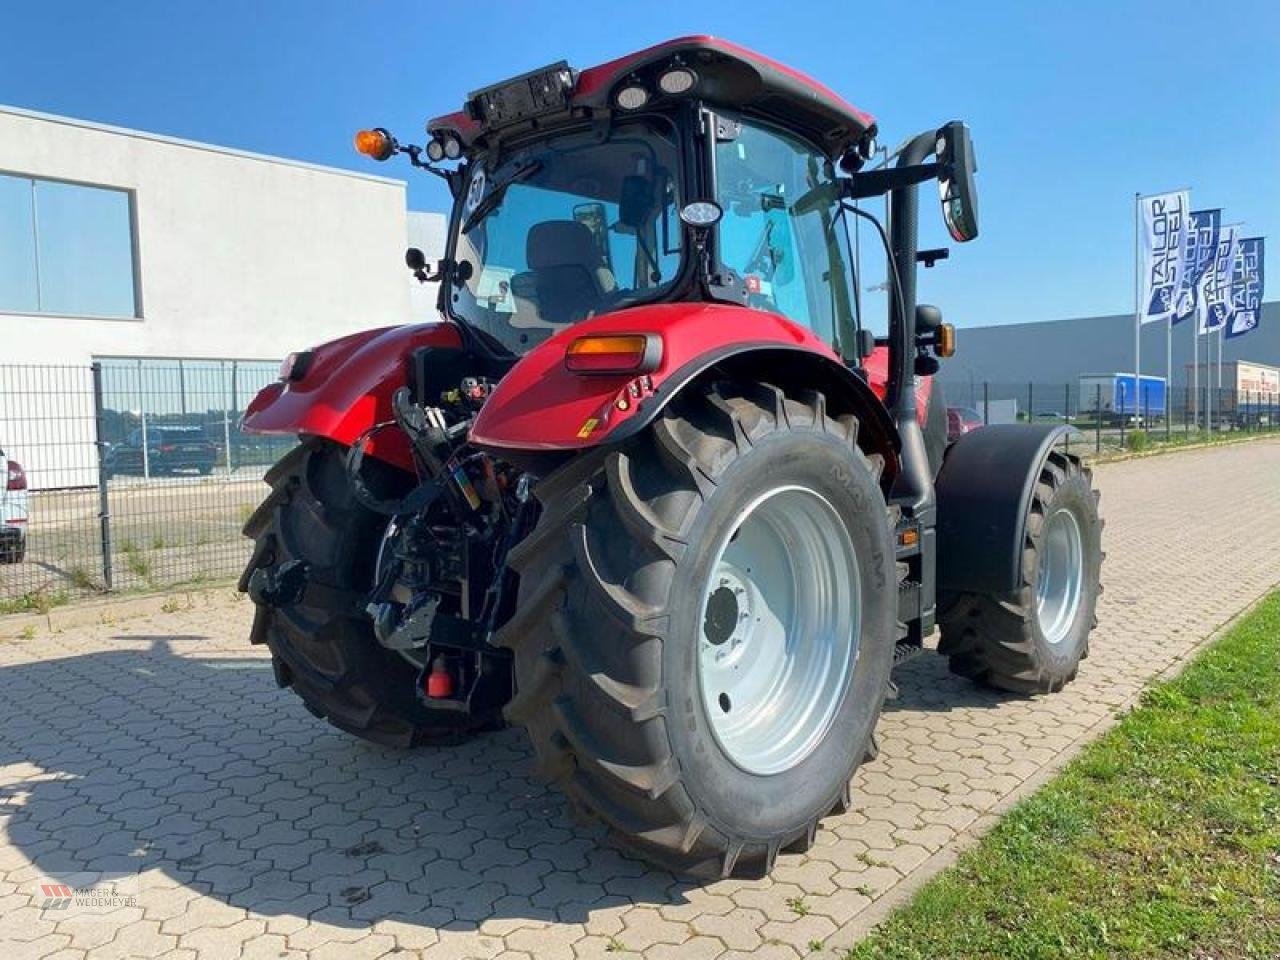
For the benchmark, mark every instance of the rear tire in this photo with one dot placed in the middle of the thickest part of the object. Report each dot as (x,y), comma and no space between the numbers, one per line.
(1025,642)
(322,647)
(614,617)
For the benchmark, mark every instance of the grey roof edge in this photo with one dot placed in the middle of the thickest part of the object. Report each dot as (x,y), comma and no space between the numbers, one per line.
(195,145)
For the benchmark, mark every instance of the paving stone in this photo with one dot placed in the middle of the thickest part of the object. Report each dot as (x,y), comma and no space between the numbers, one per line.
(249,829)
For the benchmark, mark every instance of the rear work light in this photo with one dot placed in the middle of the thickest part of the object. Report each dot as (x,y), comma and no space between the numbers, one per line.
(17,476)
(617,353)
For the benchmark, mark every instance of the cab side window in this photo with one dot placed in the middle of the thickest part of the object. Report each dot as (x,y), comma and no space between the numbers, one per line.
(781,232)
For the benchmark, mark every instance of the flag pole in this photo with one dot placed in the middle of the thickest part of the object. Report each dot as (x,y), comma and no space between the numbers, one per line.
(1195,366)
(1137,293)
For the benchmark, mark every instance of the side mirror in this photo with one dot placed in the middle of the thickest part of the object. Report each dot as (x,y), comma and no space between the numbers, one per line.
(415,259)
(954,150)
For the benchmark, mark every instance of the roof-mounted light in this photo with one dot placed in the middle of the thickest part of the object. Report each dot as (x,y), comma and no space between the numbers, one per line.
(452,147)
(435,150)
(376,144)
(677,80)
(632,97)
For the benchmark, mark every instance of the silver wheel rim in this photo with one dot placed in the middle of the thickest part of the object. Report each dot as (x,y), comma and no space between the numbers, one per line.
(416,657)
(1061,576)
(778,630)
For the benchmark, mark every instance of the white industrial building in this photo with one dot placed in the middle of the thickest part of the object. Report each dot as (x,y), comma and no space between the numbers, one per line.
(123,243)
(186,270)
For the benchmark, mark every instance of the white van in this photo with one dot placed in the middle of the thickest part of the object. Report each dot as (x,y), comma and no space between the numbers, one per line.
(13,512)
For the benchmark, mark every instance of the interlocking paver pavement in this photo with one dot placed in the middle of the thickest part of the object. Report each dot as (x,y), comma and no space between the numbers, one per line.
(159,752)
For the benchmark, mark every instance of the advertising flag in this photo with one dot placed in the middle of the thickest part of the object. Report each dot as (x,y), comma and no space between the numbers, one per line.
(1213,304)
(1164,218)
(1246,288)
(1202,242)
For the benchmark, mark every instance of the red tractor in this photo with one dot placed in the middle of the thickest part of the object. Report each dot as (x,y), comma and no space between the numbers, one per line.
(649,488)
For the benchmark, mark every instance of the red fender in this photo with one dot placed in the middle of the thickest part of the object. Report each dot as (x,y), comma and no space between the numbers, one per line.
(347,388)
(539,405)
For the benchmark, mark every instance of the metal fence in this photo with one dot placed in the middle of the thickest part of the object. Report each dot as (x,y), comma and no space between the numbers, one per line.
(1180,415)
(137,476)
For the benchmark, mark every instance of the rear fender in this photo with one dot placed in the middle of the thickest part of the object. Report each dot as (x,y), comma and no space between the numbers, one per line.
(346,389)
(540,407)
(984,491)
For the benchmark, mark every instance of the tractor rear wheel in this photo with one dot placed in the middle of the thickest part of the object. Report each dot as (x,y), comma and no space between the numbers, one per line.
(705,627)
(1032,641)
(324,646)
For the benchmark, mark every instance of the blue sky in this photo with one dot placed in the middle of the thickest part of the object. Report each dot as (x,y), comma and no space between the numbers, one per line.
(1074,106)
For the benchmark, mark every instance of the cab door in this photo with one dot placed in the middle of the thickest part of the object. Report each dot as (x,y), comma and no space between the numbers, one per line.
(782,232)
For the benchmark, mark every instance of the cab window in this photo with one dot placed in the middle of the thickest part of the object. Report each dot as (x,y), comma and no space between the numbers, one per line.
(783,233)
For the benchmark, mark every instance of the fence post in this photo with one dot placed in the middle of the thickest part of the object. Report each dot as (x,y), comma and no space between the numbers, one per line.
(104,501)
(1168,410)
(986,404)
(1031,403)
(1097,419)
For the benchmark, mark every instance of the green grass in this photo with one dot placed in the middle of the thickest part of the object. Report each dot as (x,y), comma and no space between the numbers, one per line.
(134,559)
(36,601)
(1162,840)
(1155,442)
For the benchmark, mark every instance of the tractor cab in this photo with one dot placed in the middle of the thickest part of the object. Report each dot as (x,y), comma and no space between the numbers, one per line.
(694,170)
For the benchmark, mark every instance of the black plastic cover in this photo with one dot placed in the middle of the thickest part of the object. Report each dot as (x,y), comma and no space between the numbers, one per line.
(984,491)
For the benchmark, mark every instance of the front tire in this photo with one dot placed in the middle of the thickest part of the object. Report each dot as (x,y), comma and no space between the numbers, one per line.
(324,646)
(1032,640)
(621,599)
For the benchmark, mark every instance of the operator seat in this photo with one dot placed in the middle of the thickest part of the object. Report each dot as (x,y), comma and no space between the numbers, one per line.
(570,278)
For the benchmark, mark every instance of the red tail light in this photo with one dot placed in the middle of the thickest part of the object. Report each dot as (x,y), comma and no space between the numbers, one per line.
(166,448)
(17,476)
(626,353)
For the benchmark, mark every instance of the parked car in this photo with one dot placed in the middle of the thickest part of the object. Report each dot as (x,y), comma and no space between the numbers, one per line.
(13,513)
(168,450)
(962,420)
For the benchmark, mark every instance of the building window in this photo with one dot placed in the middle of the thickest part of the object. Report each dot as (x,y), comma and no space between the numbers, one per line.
(66,249)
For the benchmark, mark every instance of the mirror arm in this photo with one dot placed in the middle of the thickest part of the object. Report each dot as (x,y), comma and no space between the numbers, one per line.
(876,183)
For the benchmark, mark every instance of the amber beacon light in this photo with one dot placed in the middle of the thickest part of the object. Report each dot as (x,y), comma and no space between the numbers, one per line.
(376,143)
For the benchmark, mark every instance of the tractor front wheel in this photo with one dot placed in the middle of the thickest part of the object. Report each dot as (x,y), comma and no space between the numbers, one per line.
(705,627)
(1033,639)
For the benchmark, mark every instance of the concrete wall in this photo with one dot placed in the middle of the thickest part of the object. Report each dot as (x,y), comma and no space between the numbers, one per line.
(1058,351)
(427,232)
(239,255)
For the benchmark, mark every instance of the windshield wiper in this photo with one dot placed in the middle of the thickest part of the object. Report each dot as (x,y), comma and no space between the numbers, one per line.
(497,192)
